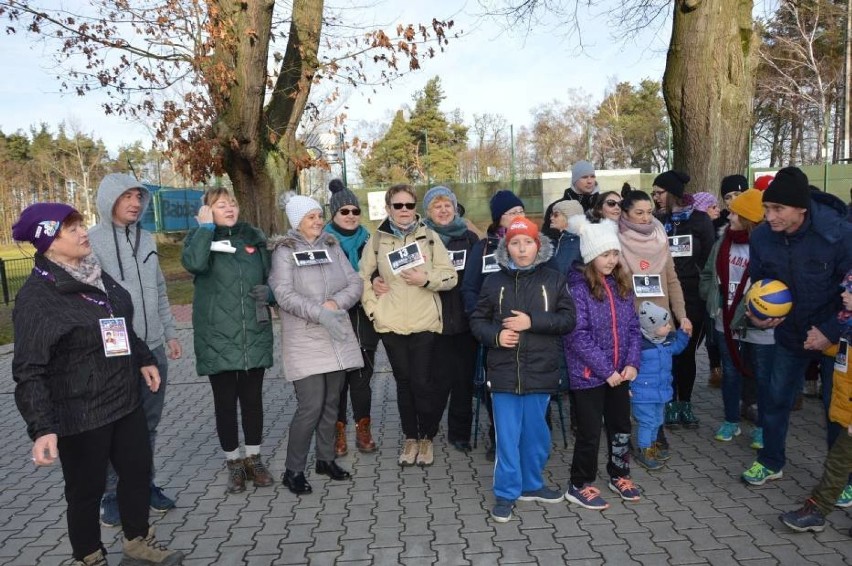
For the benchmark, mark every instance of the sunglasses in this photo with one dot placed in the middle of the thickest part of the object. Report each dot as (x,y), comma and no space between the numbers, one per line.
(401,205)
(612,202)
(347,211)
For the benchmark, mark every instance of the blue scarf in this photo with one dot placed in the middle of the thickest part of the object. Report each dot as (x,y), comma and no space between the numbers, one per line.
(454,229)
(679,216)
(350,241)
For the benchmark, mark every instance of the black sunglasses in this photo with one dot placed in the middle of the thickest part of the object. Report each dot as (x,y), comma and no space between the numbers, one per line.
(347,211)
(612,202)
(401,205)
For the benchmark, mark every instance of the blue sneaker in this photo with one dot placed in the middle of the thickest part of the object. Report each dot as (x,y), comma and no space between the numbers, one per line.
(727,432)
(757,438)
(807,518)
(586,496)
(159,502)
(543,495)
(625,488)
(109,511)
(502,511)
(845,499)
(758,474)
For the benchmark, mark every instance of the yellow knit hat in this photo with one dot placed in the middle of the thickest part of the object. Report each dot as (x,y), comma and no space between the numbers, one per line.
(749,205)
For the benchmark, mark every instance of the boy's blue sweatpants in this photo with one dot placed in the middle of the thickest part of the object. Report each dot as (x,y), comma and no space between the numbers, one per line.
(523,443)
(649,417)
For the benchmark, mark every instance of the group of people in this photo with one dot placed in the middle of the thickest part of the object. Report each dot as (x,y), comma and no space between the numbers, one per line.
(609,301)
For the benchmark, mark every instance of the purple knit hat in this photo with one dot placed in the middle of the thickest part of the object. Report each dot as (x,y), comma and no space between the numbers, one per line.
(703,201)
(39,224)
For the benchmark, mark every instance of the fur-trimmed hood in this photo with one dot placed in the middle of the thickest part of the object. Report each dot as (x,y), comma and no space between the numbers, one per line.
(545,252)
(293,237)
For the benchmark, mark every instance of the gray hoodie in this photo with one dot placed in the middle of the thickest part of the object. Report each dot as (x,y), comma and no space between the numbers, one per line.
(129,255)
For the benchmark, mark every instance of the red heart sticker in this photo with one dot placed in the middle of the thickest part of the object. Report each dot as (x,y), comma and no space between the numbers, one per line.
(643,265)
(250,249)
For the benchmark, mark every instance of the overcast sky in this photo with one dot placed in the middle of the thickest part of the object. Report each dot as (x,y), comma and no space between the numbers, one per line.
(488,69)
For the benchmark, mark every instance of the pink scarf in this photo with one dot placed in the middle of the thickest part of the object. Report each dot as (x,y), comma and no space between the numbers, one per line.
(644,247)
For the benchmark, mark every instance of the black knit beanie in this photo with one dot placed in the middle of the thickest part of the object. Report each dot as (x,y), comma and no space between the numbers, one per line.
(673,182)
(790,188)
(733,183)
(340,197)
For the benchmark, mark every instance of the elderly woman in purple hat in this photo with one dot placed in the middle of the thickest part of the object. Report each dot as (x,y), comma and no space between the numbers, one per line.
(77,368)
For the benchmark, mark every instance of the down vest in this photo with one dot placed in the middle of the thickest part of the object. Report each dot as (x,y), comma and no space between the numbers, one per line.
(811,262)
(533,366)
(227,334)
(653,383)
(307,347)
(65,384)
(607,336)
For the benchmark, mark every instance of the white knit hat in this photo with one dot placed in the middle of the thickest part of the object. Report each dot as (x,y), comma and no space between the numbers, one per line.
(298,206)
(596,239)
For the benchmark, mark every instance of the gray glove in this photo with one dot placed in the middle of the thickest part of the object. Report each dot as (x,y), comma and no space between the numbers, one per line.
(334,322)
(260,293)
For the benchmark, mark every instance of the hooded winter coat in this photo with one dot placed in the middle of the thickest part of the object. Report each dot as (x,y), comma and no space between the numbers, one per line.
(653,383)
(474,277)
(306,346)
(606,338)
(129,255)
(533,365)
(811,262)
(65,383)
(406,309)
(227,334)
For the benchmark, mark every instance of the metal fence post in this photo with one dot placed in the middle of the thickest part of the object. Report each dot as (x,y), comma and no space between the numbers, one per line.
(5,283)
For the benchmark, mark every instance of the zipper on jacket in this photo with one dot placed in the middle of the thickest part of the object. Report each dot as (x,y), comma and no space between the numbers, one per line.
(325,294)
(614,324)
(242,310)
(520,389)
(141,288)
(544,294)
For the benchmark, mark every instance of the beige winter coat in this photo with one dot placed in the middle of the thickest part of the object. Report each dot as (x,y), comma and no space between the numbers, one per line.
(306,346)
(405,309)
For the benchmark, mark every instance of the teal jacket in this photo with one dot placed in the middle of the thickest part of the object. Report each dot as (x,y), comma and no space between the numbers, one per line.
(227,334)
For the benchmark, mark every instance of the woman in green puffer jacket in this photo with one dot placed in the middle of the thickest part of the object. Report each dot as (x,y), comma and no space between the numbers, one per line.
(232,330)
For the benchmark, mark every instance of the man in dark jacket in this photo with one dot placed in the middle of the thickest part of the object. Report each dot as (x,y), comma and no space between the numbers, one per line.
(584,189)
(806,243)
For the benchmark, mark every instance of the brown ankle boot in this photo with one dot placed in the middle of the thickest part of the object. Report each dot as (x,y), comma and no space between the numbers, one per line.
(256,471)
(363,436)
(340,448)
(715,380)
(236,476)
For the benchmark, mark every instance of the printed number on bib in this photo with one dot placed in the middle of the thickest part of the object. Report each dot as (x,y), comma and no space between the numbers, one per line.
(457,258)
(405,258)
(681,246)
(311,257)
(648,286)
(489,264)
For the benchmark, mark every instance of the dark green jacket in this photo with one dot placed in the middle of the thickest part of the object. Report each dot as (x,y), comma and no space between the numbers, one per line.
(227,334)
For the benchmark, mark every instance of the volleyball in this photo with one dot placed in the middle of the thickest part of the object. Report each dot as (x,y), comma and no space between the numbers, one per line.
(769,298)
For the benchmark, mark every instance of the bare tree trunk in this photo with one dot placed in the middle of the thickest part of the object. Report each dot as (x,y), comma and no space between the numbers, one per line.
(708,87)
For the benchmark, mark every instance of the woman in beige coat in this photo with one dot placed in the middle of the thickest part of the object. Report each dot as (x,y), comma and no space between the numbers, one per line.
(314,285)
(410,264)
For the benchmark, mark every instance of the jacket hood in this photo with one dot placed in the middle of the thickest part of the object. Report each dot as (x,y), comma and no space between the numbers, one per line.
(113,186)
(293,238)
(545,252)
(828,216)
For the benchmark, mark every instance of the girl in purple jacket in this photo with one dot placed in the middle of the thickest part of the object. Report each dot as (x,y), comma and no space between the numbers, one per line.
(602,355)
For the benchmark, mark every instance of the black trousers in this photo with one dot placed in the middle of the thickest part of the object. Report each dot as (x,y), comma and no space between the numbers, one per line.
(612,404)
(84,457)
(454,361)
(683,365)
(357,383)
(410,357)
(247,388)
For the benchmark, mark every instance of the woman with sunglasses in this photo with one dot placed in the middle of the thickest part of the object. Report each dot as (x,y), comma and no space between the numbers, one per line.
(455,346)
(607,206)
(691,237)
(345,225)
(413,263)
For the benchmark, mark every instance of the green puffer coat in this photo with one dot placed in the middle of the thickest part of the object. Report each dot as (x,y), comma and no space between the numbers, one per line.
(227,334)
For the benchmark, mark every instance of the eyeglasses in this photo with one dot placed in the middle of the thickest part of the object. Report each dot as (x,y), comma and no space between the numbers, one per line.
(612,202)
(401,205)
(347,211)
(658,193)
(513,213)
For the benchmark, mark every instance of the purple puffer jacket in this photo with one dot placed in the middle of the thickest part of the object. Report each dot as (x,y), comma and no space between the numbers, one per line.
(599,345)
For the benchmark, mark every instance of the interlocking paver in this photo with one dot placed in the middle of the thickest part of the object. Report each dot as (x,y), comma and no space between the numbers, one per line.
(693,511)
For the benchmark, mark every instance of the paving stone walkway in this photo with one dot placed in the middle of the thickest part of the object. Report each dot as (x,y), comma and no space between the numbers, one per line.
(695,511)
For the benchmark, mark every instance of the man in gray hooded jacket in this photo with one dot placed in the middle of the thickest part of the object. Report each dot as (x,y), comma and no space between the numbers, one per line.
(128,253)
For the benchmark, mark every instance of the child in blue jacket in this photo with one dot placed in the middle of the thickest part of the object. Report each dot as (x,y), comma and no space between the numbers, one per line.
(652,388)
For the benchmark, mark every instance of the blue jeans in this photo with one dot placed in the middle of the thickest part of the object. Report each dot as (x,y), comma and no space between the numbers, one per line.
(152,406)
(523,443)
(649,417)
(757,357)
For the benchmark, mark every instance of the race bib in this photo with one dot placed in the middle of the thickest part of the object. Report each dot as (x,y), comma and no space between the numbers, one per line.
(311,257)
(457,258)
(489,264)
(405,258)
(114,337)
(648,286)
(841,360)
(681,246)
